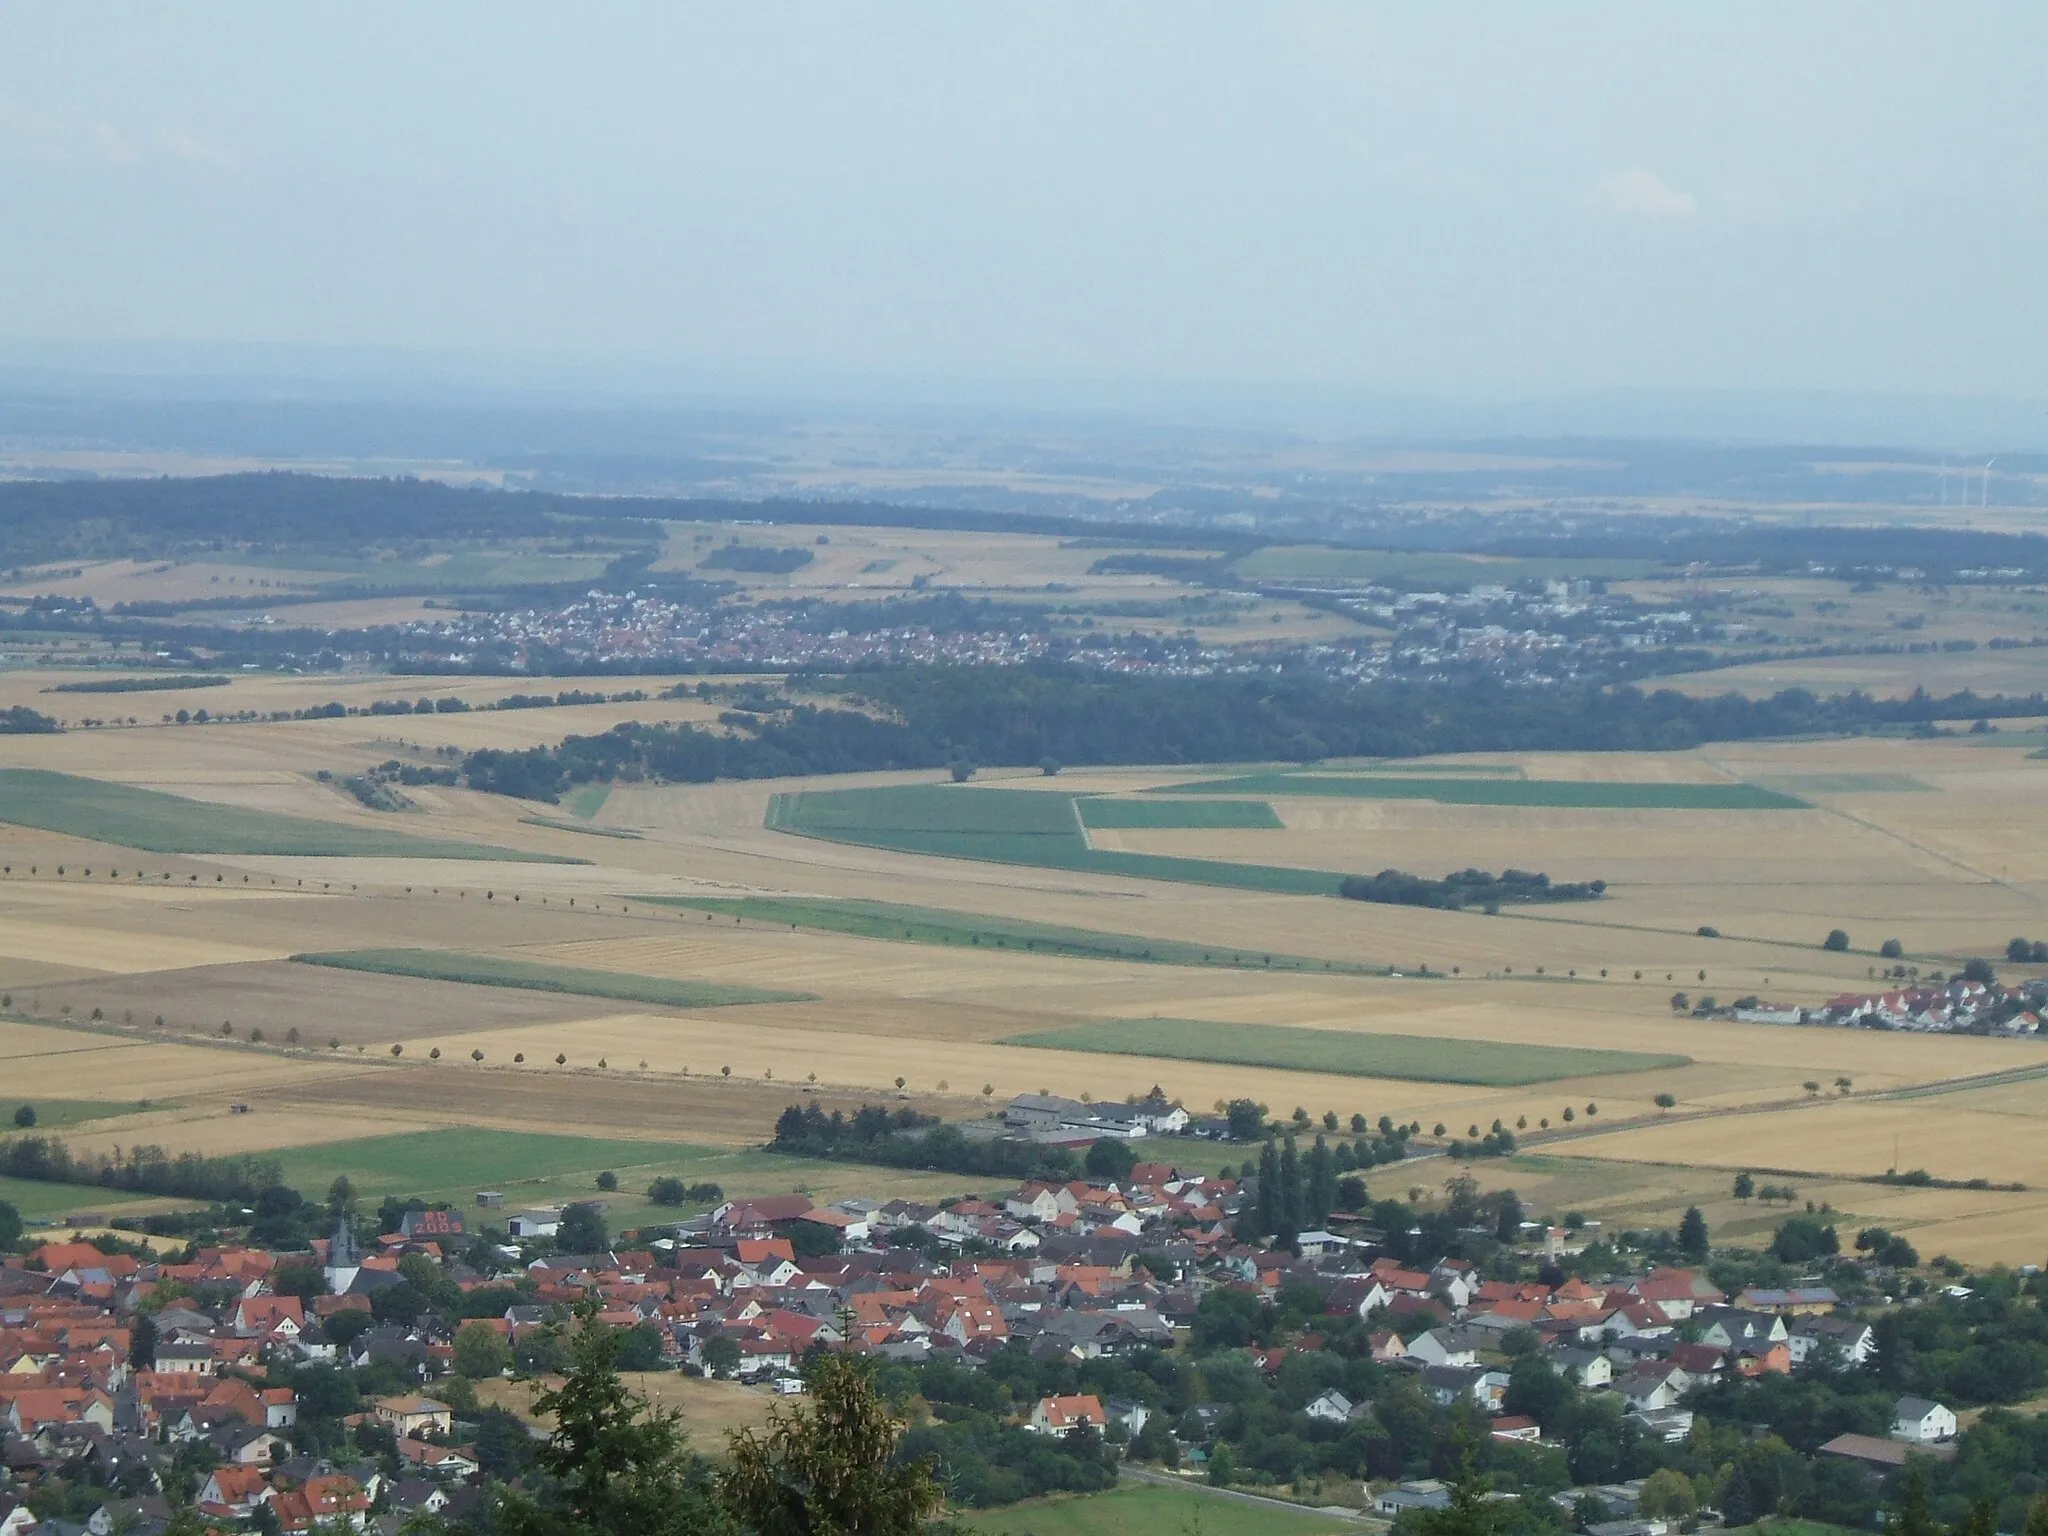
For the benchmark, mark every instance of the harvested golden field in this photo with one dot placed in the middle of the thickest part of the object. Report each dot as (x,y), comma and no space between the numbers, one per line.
(1854,1136)
(53,1063)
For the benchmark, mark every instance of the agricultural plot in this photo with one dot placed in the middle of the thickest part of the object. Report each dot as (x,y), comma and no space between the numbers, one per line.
(159,823)
(1546,794)
(1178,815)
(1003,827)
(1414,1058)
(39,1202)
(925,925)
(61,1114)
(352,1009)
(1318,563)
(495,971)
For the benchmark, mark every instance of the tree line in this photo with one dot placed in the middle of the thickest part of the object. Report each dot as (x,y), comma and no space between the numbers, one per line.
(906,1139)
(145,1170)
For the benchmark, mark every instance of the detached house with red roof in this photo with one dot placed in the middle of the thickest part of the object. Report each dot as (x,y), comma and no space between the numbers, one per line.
(1057,1415)
(273,1319)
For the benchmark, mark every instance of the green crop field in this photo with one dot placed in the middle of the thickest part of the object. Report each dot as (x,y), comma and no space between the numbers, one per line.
(1147,1511)
(534,1169)
(161,823)
(925,925)
(1413,1058)
(494,971)
(1549,794)
(1415,767)
(557,824)
(1177,815)
(1010,827)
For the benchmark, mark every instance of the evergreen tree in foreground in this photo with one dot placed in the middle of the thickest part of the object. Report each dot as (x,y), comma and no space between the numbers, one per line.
(615,1465)
(1470,1512)
(825,1468)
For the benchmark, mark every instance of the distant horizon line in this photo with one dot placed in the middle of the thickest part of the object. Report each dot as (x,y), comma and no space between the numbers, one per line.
(286,374)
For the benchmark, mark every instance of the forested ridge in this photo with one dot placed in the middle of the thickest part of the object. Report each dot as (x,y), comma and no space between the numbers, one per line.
(931,717)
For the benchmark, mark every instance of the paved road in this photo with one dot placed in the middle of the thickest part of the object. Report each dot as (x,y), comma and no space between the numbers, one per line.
(1167,1480)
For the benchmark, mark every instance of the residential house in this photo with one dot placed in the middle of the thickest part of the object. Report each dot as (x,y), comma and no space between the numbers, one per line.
(233,1493)
(1856,1340)
(1333,1407)
(1444,1346)
(1797,1301)
(1922,1421)
(407,1416)
(322,1502)
(1058,1415)
(1587,1368)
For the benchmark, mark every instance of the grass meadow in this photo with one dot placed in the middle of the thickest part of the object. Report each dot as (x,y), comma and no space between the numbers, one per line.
(1412,1058)
(1149,1510)
(495,971)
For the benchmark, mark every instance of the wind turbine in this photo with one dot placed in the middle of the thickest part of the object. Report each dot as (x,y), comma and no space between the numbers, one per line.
(1984,496)
(1944,481)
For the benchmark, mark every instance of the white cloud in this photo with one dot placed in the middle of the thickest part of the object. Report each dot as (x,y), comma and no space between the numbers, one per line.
(1644,194)
(87,143)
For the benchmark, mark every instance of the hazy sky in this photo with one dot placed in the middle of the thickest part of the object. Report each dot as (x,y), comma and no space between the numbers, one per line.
(1461,199)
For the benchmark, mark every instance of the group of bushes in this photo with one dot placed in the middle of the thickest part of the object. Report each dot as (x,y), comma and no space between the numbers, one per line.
(1466,888)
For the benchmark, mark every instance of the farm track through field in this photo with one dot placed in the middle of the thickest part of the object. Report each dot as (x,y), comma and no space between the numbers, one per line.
(1962,1084)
